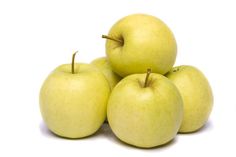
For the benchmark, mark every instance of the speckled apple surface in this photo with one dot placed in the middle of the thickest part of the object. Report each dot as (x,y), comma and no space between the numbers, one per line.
(197,96)
(145,117)
(74,105)
(147,43)
(104,66)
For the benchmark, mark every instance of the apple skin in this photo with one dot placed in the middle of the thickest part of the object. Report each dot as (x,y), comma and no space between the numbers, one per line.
(104,66)
(74,105)
(145,116)
(148,43)
(197,96)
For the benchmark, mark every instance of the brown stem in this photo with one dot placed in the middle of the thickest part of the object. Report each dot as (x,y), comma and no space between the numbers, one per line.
(111,38)
(73,63)
(147,76)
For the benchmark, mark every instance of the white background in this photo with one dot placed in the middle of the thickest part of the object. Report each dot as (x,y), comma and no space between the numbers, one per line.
(37,36)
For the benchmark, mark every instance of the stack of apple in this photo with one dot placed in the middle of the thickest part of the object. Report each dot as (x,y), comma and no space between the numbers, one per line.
(146,100)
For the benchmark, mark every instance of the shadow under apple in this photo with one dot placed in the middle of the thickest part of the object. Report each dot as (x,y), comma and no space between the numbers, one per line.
(106,132)
(48,133)
(208,126)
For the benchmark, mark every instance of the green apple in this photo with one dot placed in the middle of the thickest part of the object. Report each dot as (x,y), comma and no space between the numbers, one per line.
(104,66)
(139,41)
(145,113)
(197,96)
(73,100)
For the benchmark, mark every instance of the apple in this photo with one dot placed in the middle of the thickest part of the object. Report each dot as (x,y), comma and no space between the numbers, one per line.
(145,113)
(197,96)
(139,41)
(104,66)
(73,100)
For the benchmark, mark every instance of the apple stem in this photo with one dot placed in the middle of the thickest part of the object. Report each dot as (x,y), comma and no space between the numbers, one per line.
(73,63)
(111,38)
(147,76)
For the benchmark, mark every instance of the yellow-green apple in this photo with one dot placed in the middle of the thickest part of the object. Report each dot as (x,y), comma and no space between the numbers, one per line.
(145,110)
(73,100)
(197,96)
(104,66)
(139,41)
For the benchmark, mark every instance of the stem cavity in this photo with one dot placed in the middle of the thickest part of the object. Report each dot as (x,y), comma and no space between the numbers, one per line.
(147,76)
(73,63)
(114,39)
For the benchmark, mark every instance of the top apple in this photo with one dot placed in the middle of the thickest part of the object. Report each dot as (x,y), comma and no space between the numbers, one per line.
(138,42)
